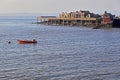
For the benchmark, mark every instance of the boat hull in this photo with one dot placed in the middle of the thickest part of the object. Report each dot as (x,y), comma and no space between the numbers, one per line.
(26,42)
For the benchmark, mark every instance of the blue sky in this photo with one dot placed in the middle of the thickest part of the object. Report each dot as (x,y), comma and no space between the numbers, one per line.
(58,6)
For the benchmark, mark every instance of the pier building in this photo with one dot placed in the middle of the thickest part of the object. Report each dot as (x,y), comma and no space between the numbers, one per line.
(107,18)
(77,18)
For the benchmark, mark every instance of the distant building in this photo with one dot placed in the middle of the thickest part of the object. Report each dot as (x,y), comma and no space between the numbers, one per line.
(78,18)
(108,18)
(77,14)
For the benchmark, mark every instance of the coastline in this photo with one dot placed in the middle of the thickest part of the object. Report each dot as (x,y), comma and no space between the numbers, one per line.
(81,18)
(93,26)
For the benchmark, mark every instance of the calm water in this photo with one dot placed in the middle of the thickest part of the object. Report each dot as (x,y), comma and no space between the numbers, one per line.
(62,53)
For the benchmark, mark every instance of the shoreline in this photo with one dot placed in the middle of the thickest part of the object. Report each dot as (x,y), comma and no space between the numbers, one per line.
(93,26)
(81,18)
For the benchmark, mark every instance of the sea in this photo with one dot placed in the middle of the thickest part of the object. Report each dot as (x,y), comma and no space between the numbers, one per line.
(62,52)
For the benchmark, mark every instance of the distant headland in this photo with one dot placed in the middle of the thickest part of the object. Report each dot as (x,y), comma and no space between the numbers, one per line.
(82,18)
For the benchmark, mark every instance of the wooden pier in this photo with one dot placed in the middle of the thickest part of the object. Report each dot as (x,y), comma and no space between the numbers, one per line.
(79,18)
(66,21)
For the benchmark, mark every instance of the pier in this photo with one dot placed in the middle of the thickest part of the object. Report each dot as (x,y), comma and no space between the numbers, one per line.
(66,21)
(78,18)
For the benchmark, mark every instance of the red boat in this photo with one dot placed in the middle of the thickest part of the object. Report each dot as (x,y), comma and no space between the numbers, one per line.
(27,41)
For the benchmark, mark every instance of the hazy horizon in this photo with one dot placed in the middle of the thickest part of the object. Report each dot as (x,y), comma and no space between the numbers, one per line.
(53,6)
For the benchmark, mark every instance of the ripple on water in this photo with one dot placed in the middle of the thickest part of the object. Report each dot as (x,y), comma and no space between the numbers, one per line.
(62,53)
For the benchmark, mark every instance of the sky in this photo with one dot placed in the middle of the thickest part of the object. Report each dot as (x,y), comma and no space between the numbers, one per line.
(58,6)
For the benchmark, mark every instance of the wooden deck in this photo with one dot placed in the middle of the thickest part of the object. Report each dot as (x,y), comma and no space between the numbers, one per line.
(86,19)
(66,21)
